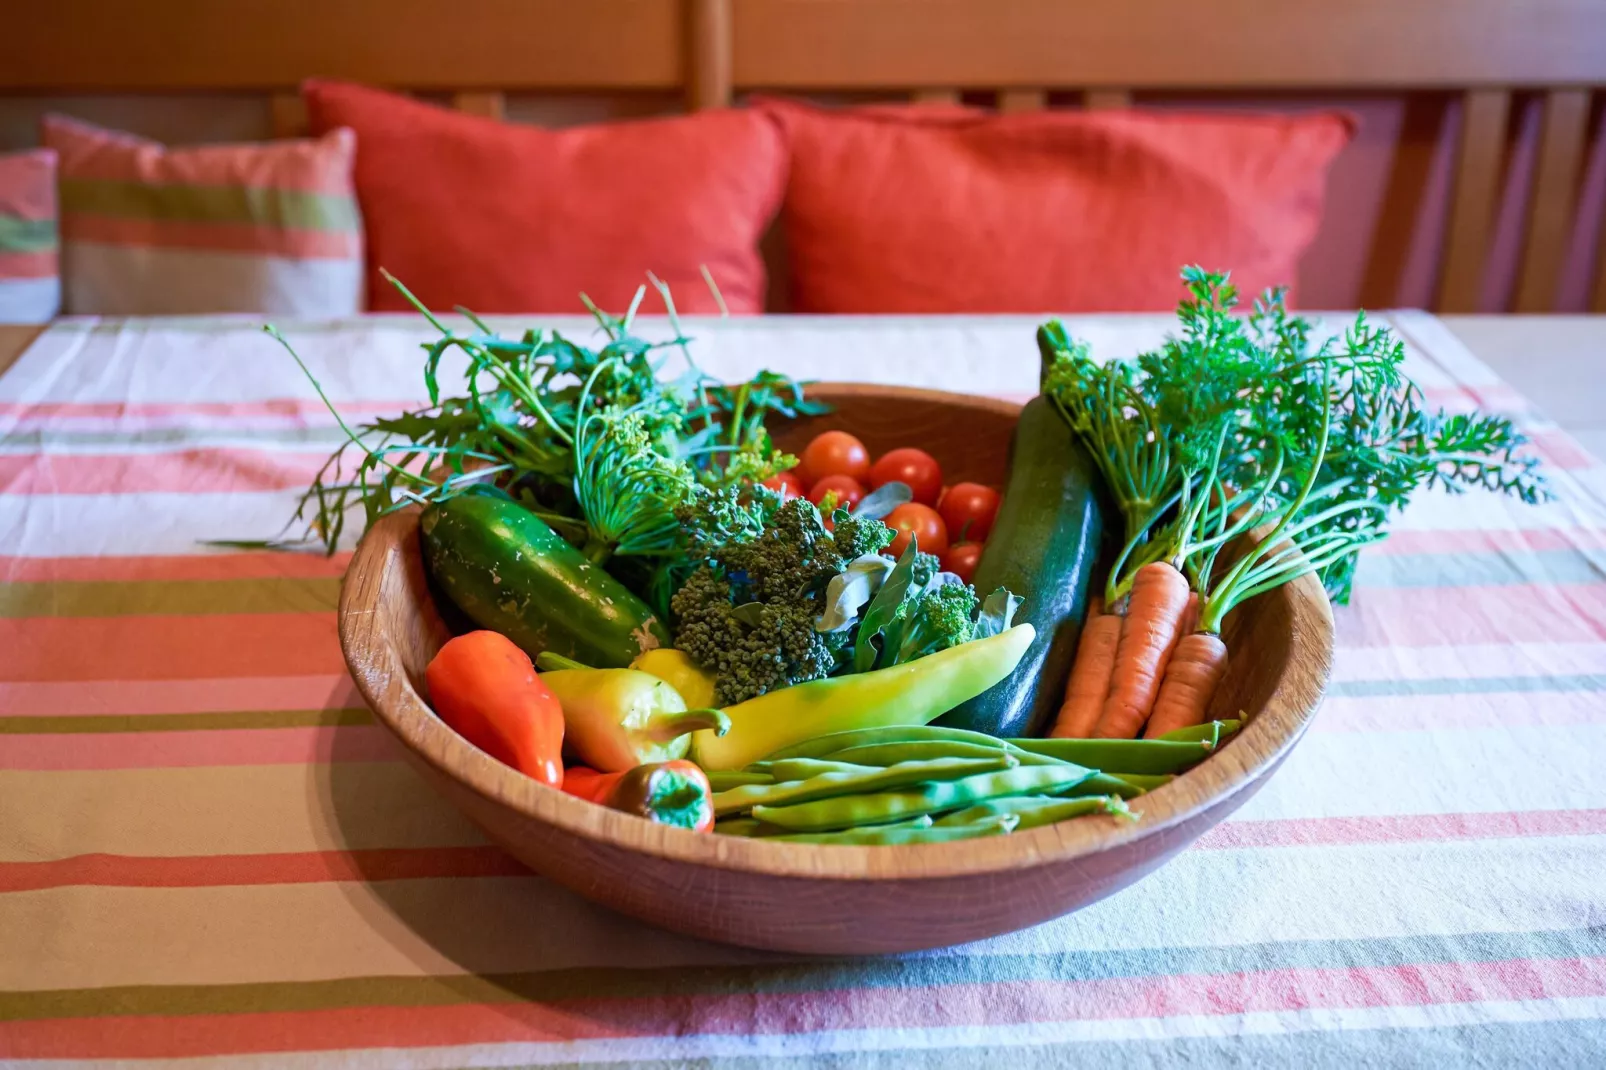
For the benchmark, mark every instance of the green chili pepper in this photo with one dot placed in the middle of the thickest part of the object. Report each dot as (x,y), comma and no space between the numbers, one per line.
(928,798)
(820,746)
(865,780)
(909,694)
(915,751)
(1121,756)
(1035,810)
(1211,732)
(725,779)
(890,835)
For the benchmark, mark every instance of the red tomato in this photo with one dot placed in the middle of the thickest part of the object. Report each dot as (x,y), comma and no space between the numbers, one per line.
(833,453)
(787,483)
(968,509)
(849,491)
(920,521)
(961,560)
(915,467)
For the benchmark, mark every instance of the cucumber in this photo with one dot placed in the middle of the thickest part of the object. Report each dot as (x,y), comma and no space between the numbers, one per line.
(1044,546)
(506,570)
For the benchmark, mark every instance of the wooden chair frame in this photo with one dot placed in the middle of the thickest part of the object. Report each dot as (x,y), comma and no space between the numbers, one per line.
(1482,51)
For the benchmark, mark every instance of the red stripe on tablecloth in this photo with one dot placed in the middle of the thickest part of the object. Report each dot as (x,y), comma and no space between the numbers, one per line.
(75,698)
(1534,540)
(1449,616)
(245,565)
(196,471)
(169,750)
(797,1013)
(1404,828)
(169,648)
(308,867)
(117,410)
(417,863)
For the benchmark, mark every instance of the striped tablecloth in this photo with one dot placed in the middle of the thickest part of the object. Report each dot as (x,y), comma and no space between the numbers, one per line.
(208,850)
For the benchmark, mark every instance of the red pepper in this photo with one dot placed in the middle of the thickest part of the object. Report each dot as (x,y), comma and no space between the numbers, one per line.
(486,688)
(670,793)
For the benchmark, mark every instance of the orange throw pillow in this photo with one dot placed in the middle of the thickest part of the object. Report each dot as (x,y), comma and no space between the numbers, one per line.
(501,217)
(910,209)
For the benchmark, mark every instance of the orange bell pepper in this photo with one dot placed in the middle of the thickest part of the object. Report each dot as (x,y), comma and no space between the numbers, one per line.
(485,688)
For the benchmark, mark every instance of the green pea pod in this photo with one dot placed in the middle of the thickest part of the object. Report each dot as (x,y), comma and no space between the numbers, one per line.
(894,835)
(933,797)
(1211,732)
(833,784)
(820,746)
(1121,756)
(803,768)
(893,753)
(746,827)
(1127,786)
(1035,810)
(725,779)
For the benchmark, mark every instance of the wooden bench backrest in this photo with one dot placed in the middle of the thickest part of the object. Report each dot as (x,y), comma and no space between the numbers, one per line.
(1026,54)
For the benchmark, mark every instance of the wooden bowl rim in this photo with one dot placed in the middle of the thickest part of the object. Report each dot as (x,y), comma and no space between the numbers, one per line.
(1257,747)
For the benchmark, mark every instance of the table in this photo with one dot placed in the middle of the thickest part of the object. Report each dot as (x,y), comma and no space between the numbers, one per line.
(208,849)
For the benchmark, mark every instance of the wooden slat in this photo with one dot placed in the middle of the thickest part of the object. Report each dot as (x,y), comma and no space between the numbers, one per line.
(935,96)
(1477,174)
(708,54)
(108,45)
(1404,194)
(1106,99)
(287,114)
(824,44)
(1553,198)
(1597,299)
(1017,100)
(485,105)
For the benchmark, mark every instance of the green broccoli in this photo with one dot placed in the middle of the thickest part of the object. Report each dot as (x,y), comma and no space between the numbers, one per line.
(747,612)
(942,617)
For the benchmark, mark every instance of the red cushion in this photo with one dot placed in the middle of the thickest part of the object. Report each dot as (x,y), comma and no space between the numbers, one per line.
(501,217)
(911,209)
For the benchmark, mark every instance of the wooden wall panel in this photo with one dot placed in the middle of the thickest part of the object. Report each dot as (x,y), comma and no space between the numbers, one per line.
(1553,198)
(1477,176)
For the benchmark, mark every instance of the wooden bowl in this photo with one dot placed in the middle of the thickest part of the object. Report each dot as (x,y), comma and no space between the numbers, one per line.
(809,898)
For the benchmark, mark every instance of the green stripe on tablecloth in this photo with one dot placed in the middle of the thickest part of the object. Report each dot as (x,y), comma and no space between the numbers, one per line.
(1481,569)
(169,598)
(183,722)
(177,203)
(27,235)
(800,977)
(1467,685)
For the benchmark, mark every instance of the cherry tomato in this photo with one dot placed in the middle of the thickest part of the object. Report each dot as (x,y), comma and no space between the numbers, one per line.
(968,509)
(915,467)
(833,453)
(848,491)
(961,560)
(920,521)
(787,483)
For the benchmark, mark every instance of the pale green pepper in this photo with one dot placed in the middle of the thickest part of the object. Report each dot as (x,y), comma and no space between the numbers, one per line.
(617,719)
(913,693)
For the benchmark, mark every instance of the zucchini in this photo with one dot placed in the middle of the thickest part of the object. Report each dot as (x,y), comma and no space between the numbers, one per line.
(1044,546)
(506,570)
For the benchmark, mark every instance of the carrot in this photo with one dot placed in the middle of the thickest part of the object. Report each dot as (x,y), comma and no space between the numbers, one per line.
(1090,678)
(1154,609)
(1190,620)
(1190,683)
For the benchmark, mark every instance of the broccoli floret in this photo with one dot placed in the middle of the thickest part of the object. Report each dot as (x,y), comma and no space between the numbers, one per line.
(747,613)
(925,566)
(856,536)
(942,617)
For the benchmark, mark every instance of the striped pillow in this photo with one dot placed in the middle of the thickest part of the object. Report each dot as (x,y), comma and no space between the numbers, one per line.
(30,282)
(148,230)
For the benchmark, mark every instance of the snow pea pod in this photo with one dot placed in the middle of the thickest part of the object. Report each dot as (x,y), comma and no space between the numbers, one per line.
(869,779)
(1211,732)
(746,827)
(725,779)
(1035,810)
(820,746)
(803,768)
(914,751)
(928,798)
(1127,786)
(1121,756)
(890,835)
